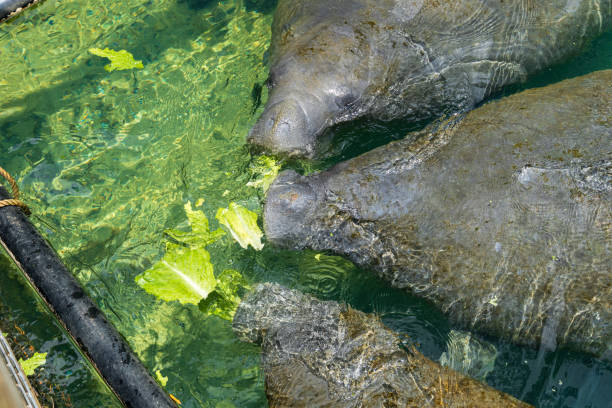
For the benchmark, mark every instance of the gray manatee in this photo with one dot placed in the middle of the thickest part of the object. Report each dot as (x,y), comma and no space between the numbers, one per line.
(323,354)
(334,61)
(503,219)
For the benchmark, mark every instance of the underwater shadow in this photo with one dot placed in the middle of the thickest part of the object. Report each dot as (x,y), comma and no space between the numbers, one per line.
(347,140)
(596,56)
(260,6)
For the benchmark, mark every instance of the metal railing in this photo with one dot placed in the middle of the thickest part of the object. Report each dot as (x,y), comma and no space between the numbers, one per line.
(15,389)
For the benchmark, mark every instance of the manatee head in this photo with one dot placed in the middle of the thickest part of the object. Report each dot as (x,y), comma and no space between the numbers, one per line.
(289,126)
(306,97)
(319,68)
(290,204)
(305,212)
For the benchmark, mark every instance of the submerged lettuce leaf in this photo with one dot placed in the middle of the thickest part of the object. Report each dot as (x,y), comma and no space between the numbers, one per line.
(266,169)
(161,379)
(224,300)
(200,234)
(33,363)
(242,224)
(184,274)
(120,60)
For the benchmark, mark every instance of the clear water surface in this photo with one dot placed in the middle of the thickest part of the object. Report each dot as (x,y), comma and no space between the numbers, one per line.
(107,161)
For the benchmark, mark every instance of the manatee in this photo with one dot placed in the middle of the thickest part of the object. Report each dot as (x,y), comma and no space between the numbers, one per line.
(502,218)
(334,61)
(11,8)
(323,354)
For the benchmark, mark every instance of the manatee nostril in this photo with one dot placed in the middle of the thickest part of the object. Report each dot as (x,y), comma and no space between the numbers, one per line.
(283,128)
(294,198)
(270,124)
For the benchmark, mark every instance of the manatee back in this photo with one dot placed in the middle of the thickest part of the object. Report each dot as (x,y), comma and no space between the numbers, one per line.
(503,219)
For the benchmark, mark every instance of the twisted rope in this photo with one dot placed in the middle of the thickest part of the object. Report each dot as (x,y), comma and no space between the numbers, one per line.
(15,201)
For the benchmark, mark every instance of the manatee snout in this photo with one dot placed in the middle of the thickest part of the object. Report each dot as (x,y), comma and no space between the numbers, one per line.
(290,202)
(283,128)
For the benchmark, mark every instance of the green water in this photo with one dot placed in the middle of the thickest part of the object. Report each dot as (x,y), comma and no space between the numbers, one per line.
(107,161)
(67,380)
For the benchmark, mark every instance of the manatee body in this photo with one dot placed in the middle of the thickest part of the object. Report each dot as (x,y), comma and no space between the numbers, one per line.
(11,8)
(333,61)
(503,219)
(322,354)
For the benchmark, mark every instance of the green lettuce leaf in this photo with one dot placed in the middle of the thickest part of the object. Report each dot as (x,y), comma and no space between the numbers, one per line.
(33,362)
(120,60)
(265,169)
(224,300)
(200,234)
(161,379)
(184,274)
(242,224)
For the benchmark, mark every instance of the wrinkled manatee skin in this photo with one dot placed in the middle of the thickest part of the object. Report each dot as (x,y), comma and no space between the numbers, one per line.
(322,354)
(503,219)
(334,61)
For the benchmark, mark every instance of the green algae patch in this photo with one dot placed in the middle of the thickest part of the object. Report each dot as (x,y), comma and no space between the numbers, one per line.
(242,224)
(32,363)
(120,60)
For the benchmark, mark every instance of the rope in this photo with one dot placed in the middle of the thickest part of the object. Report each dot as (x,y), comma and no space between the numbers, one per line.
(15,201)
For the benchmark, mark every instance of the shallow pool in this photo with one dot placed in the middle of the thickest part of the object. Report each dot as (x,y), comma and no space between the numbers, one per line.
(108,160)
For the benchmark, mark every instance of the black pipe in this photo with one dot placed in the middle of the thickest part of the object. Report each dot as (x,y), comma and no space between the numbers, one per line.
(10,7)
(100,341)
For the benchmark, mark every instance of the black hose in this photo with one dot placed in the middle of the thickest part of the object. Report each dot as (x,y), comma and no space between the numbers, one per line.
(10,7)
(100,341)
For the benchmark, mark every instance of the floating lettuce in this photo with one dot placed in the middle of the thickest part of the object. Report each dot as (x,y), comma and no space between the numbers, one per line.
(200,234)
(33,363)
(120,60)
(266,169)
(242,224)
(161,379)
(184,274)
